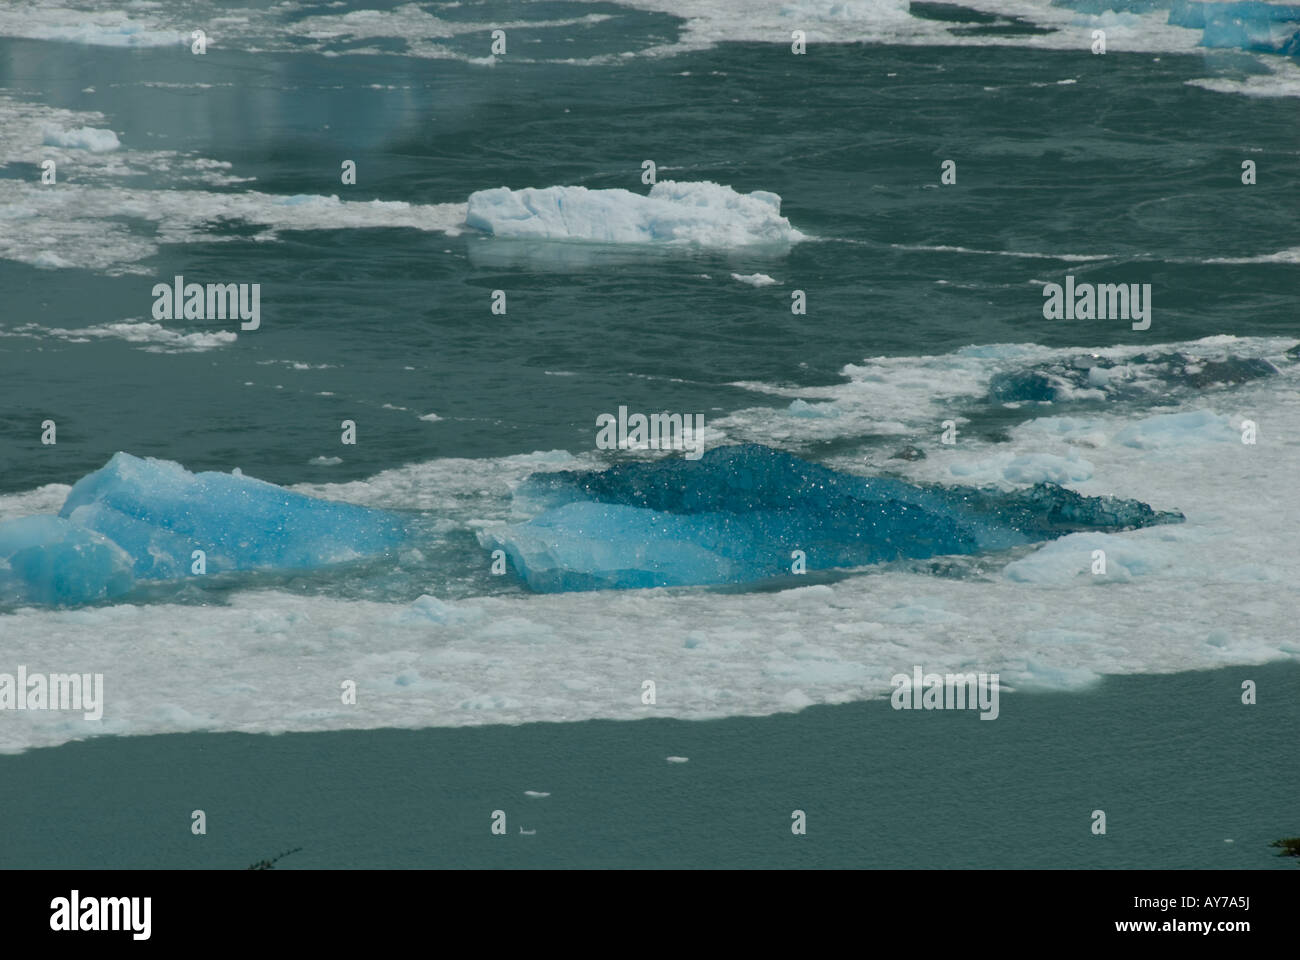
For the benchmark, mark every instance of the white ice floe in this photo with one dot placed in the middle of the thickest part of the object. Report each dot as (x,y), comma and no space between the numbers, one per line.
(102,25)
(82,138)
(754,279)
(1281,79)
(113,228)
(153,337)
(703,214)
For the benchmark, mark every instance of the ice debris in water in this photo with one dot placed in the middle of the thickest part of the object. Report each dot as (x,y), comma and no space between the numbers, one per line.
(142,519)
(82,138)
(1248,25)
(702,213)
(1144,375)
(737,514)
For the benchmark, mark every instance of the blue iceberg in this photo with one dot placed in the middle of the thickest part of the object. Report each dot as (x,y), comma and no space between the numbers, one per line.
(1249,25)
(44,559)
(142,519)
(737,514)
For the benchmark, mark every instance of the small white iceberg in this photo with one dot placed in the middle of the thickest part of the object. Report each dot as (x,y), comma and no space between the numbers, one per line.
(754,279)
(82,138)
(702,213)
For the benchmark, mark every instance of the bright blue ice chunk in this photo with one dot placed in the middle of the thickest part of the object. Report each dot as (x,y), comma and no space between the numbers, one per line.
(737,514)
(592,546)
(140,519)
(45,559)
(1250,25)
(160,513)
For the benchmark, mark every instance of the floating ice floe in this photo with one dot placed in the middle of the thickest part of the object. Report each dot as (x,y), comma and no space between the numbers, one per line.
(143,519)
(754,279)
(82,138)
(703,214)
(1249,25)
(746,513)
(1064,378)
